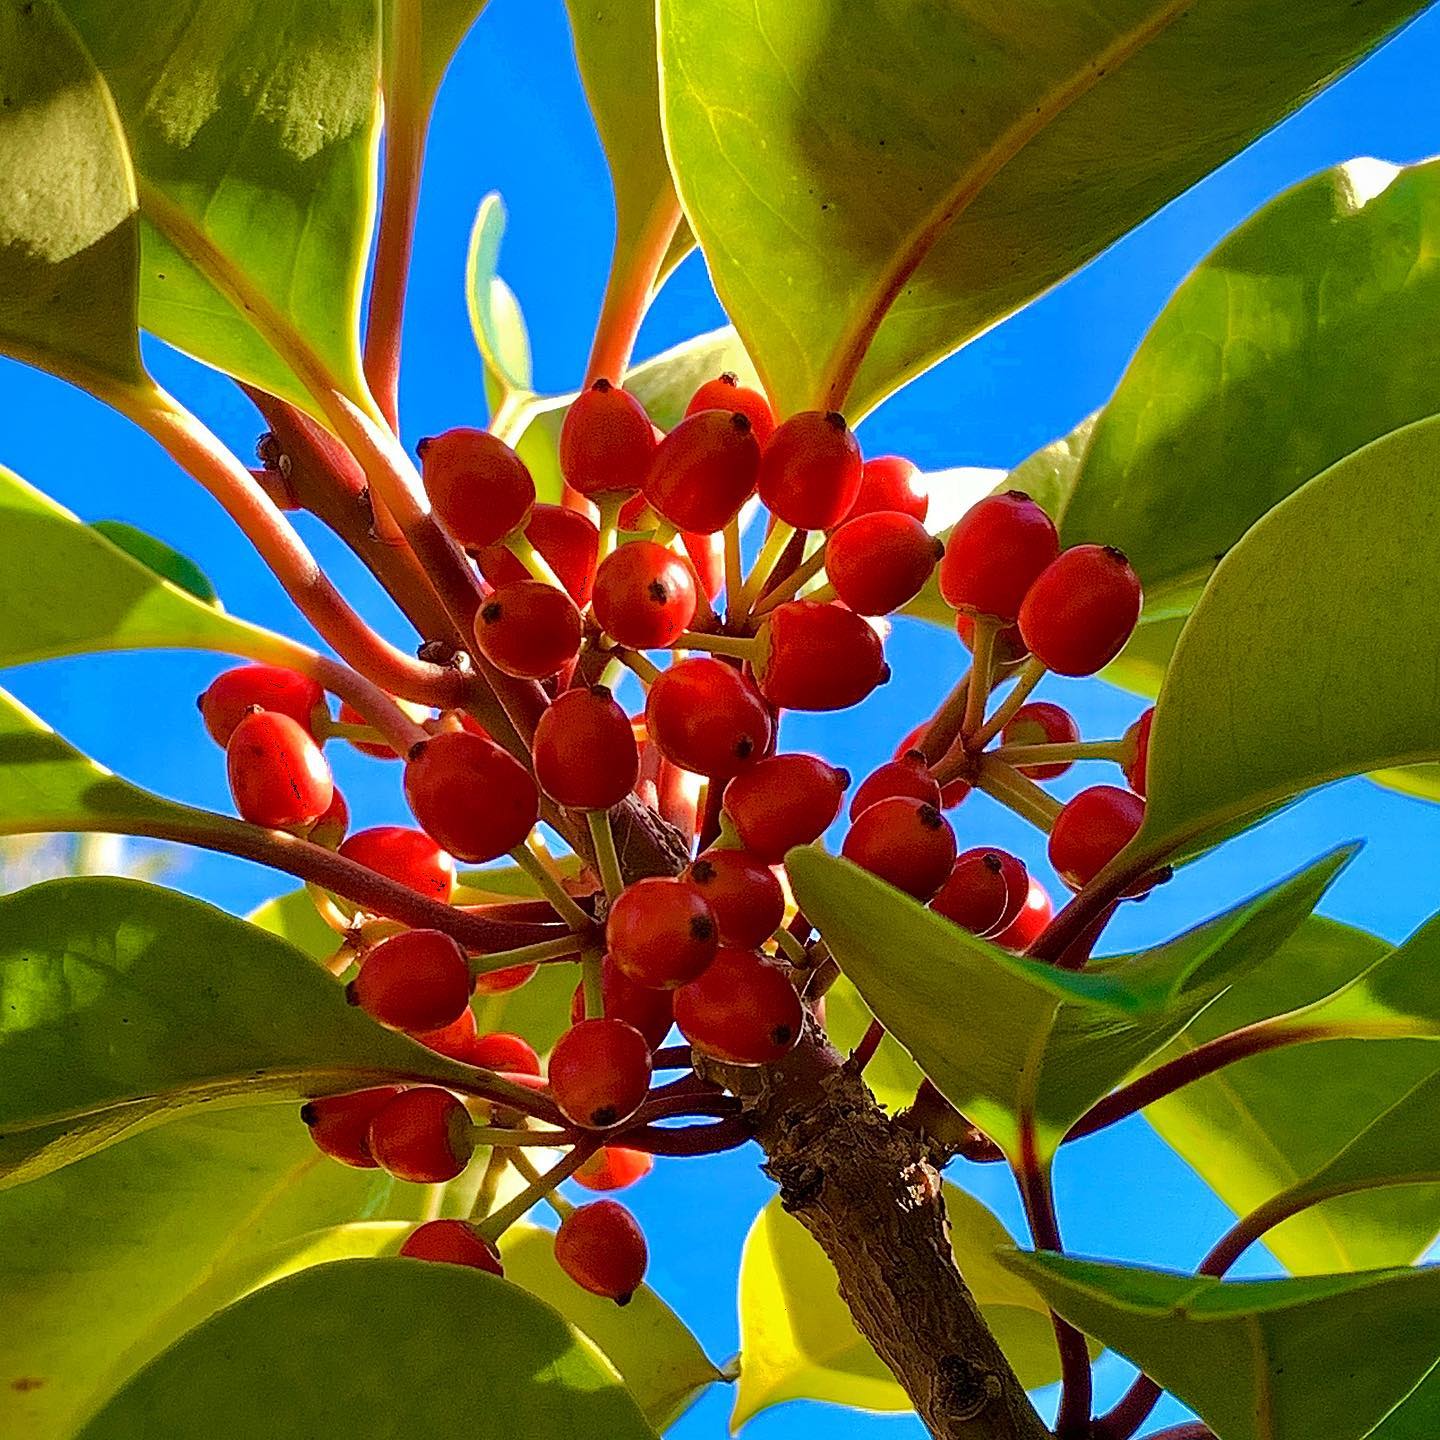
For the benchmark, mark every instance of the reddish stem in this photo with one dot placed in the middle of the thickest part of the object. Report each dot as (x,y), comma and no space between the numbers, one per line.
(864,1052)
(633,272)
(710,1139)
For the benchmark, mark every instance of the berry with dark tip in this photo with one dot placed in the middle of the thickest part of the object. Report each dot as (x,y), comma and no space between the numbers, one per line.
(606,441)
(819,657)
(409,857)
(600,1072)
(1091,830)
(905,842)
(661,933)
(231,696)
(278,776)
(743,893)
(995,553)
(1081,610)
(725,392)
(705,716)
(480,488)
(984,891)
(743,1010)
(584,750)
(811,470)
(880,561)
(470,796)
(783,801)
(907,774)
(645,595)
(601,1247)
(452,1242)
(529,629)
(423,1135)
(416,980)
(703,471)
(340,1124)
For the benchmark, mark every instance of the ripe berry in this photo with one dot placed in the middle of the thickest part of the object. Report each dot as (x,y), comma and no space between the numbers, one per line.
(453,1242)
(1080,612)
(705,716)
(1041,723)
(878,562)
(613,1167)
(277,774)
(478,485)
(416,980)
(649,1011)
(230,697)
(889,482)
(453,1040)
(584,750)
(340,1124)
(1007,647)
(606,441)
(423,1135)
(811,471)
(377,749)
(952,792)
(744,895)
(1092,829)
(904,841)
(600,1246)
(819,657)
(1136,763)
(645,595)
(1035,914)
(500,1051)
(600,1072)
(567,541)
(994,554)
(783,801)
(907,774)
(725,392)
(529,629)
(742,1009)
(502,982)
(470,796)
(329,830)
(703,471)
(984,892)
(661,933)
(707,555)
(409,857)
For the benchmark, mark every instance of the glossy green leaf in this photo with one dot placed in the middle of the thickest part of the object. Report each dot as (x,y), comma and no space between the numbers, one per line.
(1261,702)
(1260,372)
(252,130)
(893,1077)
(798,1342)
(880,195)
(243,1374)
(1326,1355)
(1417,1417)
(69,233)
(144,1240)
(1011,1042)
(123,1005)
(495,317)
(169,564)
(1261,1125)
(294,918)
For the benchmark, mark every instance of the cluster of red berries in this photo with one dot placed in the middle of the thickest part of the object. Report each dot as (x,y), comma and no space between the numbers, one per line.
(576,606)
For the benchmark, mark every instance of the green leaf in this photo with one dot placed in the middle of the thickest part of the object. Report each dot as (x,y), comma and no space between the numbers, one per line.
(1261,1125)
(294,918)
(884,193)
(252,131)
(798,1342)
(893,1077)
(1260,373)
(1422,782)
(1261,702)
(243,1374)
(120,1008)
(144,1240)
(1326,1355)
(69,234)
(432,31)
(495,317)
(1011,1042)
(1417,1417)
(169,564)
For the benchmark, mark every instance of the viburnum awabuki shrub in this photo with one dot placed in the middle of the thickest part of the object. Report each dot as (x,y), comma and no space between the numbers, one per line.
(301,1175)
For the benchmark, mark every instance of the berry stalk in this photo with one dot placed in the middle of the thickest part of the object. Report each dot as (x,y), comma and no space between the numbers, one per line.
(1032,672)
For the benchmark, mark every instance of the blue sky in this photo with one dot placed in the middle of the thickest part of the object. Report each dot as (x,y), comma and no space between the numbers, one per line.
(511,117)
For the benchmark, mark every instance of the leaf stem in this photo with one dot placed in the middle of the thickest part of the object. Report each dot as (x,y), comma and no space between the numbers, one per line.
(1032,672)
(535,861)
(634,266)
(1004,783)
(792,949)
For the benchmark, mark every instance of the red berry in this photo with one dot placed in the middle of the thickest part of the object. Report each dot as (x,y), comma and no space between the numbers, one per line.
(349,715)
(904,841)
(584,750)
(1092,829)
(742,1009)
(1136,764)
(452,1242)
(423,1135)
(703,471)
(340,1124)
(889,482)
(1080,612)
(329,830)
(994,554)
(661,933)
(819,657)
(705,716)
(501,1051)
(502,982)
(952,792)
(613,1167)
(645,595)
(567,541)
(725,392)
(606,441)
(878,562)
(277,774)
(470,796)
(453,1040)
(407,856)
(649,1011)
(1025,929)
(1008,647)
(1041,723)
(479,486)
(416,980)
(707,555)
(529,629)
(600,1072)
(230,697)
(600,1246)
(984,892)
(908,774)
(783,801)
(744,895)
(811,471)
